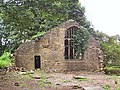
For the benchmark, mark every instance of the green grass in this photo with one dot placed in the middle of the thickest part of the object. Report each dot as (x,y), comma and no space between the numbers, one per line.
(83,79)
(25,77)
(118,89)
(112,70)
(43,80)
(23,85)
(115,78)
(106,87)
(5,60)
(4,64)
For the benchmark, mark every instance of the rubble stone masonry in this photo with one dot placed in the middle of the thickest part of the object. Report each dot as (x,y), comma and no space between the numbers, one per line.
(50,48)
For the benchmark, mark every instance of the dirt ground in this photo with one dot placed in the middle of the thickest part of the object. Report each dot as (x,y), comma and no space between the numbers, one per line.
(57,81)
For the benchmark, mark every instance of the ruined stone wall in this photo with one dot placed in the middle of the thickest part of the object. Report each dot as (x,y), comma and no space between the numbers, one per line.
(52,53)
(74,65)
(92,54)
(51,50)
(92,59)
(24,55)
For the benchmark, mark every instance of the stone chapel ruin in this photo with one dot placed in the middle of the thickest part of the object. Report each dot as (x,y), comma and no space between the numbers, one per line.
(55,52)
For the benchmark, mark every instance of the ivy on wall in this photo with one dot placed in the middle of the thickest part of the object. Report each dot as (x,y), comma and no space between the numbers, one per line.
(81,36)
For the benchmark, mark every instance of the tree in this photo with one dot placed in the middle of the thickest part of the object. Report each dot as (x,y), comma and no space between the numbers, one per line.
(23,19)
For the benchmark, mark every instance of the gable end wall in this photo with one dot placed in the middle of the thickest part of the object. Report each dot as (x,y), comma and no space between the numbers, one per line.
(51,50)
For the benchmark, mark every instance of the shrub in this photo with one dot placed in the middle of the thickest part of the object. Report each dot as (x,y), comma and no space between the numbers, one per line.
(5,60)
(112,54)
(4,64)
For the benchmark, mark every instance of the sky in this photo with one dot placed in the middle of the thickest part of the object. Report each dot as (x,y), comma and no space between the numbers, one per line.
(104,15)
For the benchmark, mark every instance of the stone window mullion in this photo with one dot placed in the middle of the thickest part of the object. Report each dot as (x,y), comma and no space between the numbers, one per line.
(70,47)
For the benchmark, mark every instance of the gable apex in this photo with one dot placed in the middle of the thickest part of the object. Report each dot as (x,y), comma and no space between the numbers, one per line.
(69,23)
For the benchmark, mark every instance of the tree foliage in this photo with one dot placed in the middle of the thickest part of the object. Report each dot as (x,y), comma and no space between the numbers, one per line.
(21,20)
(111,48)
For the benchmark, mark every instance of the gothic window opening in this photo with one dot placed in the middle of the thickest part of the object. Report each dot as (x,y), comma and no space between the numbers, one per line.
(71,47)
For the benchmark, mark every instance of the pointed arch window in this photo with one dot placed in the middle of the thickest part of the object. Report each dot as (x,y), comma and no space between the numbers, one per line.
(70,51)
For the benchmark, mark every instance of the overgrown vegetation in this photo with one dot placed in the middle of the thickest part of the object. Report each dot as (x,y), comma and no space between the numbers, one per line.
(111,48)
(81,37)
(5,60)
(112,53)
